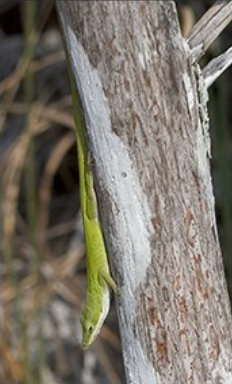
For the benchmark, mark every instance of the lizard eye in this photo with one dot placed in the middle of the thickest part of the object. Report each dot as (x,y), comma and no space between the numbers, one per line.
(90,328)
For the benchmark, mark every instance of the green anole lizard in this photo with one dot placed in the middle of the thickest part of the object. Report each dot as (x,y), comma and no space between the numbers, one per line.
(99,280)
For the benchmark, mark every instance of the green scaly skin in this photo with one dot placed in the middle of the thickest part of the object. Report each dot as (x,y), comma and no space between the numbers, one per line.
(99,279)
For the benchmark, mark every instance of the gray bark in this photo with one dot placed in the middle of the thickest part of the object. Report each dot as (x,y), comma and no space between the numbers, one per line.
(209,27)
(148,136)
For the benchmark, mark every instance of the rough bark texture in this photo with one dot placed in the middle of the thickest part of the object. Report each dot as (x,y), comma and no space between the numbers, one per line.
(206,30)
(150,148)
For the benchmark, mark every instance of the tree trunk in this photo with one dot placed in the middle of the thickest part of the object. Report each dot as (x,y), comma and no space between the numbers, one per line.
(144,104)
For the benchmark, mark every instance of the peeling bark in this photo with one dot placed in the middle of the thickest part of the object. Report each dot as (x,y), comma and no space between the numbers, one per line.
(144,104)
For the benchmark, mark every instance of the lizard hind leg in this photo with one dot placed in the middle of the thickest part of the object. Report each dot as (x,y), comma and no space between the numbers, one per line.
(105,276)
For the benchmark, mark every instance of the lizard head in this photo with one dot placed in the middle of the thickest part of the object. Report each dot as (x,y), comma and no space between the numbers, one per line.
(92,319)
(89,333)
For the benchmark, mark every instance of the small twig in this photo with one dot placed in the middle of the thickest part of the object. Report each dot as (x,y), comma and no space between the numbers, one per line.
(187,19)
(197,28)
(209,27)
(106,363)
(53,163)
(15,78)
(216,67)
(51,114)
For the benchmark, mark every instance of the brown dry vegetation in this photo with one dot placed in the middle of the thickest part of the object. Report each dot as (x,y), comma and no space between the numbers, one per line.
(42,267)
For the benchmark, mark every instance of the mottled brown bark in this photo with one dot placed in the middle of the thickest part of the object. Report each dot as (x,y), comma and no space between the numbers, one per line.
(148,136)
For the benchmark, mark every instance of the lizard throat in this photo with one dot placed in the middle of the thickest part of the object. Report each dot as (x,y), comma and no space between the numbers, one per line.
(102,316)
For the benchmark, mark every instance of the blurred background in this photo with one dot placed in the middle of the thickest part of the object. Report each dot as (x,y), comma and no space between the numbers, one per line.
(42,266)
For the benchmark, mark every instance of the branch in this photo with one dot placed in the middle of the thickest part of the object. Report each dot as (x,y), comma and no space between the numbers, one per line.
(216,67)
(209,27)
(148,140)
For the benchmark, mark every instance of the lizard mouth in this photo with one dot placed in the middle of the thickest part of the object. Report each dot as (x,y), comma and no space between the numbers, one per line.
(91,339)
(85,346)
